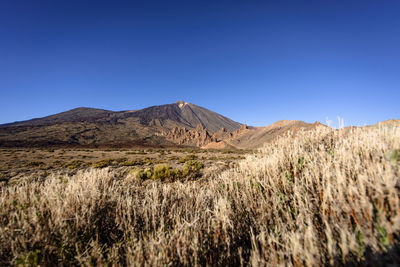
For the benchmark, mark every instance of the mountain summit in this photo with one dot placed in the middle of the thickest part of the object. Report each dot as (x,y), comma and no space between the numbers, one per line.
(187,115)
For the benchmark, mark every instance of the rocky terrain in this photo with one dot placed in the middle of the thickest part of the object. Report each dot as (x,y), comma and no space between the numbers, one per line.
(197,137)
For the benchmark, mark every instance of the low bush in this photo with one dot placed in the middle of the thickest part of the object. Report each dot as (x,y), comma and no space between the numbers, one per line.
(35,164)
(143,174)
(191,168)
(187,158)
(75,164)
(164,172)
(103,163)
(131,163)
(110,162)
(137,152)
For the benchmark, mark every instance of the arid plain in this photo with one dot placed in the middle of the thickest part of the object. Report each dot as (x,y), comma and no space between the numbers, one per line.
(186,186)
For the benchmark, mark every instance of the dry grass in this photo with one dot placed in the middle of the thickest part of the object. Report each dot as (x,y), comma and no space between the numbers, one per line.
(16,163)
(325,197)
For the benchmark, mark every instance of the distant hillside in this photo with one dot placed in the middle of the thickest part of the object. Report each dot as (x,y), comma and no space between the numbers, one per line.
(74,115)
(391,122)
(255,137)
(96,127)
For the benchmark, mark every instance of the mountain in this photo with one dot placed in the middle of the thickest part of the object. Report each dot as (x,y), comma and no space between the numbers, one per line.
(185,114)
(178,124)
(152,126)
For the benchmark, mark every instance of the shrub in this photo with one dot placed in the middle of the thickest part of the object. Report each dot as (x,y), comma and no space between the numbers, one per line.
(138,152)
(58,163)
(75,164)
(103,163)
(35,164)
(187,158)
(192,168)
(163,172)
(131,163)
(144,174)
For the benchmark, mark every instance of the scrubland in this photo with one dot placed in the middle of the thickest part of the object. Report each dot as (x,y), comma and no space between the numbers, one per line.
(323,197)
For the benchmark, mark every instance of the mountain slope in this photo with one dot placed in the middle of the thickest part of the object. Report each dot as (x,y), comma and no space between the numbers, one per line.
(97,127)
(186,114)
(81,114)
(255,137)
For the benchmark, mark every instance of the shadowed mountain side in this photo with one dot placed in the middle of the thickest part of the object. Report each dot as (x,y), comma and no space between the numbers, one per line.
(81,114)
(88,134)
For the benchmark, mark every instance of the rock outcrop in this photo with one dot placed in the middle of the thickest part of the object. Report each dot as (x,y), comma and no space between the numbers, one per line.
(196,137)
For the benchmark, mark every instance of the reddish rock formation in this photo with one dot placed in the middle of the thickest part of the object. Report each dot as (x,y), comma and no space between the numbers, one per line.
(196,137)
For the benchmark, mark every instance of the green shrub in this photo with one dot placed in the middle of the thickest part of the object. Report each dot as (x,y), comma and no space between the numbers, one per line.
(173,158)
(58,163)
(131,163)
(35,164)
(151,161)
(228,151)
(164,172)
(144,174)
(32,258)
(75,164)
(192,168)
(103,163)
(187,158)
(138,152)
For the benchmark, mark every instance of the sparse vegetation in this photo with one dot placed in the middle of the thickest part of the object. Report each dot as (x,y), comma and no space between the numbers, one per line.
(103,163)
(325,197)
(75,164)
(187,158)
(112,162)
(130,163)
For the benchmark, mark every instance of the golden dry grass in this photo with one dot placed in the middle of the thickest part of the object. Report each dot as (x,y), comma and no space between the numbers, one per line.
(324,197)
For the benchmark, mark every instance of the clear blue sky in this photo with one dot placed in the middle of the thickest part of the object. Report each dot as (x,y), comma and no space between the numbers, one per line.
(254,61)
